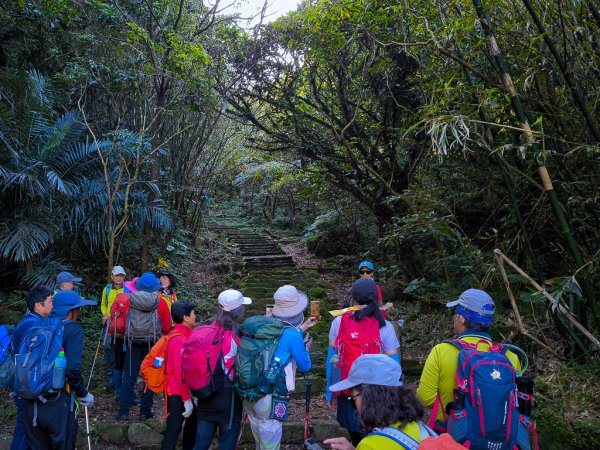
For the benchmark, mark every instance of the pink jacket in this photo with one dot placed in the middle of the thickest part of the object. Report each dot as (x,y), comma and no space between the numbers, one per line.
(175,384)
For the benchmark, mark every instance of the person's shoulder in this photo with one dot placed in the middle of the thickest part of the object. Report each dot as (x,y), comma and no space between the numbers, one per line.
(73,330)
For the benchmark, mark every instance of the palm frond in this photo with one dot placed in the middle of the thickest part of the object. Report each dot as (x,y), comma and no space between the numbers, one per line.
(25,240)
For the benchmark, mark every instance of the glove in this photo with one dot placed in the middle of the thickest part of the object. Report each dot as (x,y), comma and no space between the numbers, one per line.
(88,400)
(188,406)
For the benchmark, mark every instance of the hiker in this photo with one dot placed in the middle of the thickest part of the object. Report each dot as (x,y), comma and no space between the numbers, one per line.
(179,398)
(167,288)
(366,270)
(39,305)
(66,281)
(51,422)
(473,314)
(109,293)
(223,409)
(291,352)
(148,318)
(352,334)
(388,413)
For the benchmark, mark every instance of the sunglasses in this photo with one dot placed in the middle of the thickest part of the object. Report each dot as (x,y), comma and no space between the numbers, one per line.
(367,272)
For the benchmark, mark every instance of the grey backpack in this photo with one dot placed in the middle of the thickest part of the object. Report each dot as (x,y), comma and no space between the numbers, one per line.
(143,324)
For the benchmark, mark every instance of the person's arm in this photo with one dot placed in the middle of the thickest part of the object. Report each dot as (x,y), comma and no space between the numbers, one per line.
(174,354)
(328,370)
(429,382)
(73,345)
(165,316)
(293,342)
(104,306)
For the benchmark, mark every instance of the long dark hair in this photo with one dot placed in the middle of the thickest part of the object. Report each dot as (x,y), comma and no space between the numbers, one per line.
(384,405)
(228,320)
(371,310)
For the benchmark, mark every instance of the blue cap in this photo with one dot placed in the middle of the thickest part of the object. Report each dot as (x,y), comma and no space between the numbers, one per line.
(147,282)
(65,277)
(475,305)
(371,369)
(65,301)
(366,264)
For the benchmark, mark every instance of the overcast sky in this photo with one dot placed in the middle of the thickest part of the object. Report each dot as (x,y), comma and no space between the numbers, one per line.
(276,8)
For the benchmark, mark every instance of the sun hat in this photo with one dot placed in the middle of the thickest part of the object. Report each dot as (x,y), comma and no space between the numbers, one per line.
(289,302)
(118,270)
(65,301)
(364,290)
(147,282)
(231,299)
(475,305)
(367,264)
(170,276)
(371,369)
(66,277)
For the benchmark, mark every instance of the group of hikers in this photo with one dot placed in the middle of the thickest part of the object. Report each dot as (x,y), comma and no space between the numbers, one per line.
(211,373)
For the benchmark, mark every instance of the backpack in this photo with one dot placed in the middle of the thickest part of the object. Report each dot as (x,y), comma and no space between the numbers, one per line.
(355,339)
(34,360)
(156,377)
(7,362)
(202,361)
(117,321)
(403,439)
(443,442)
(143,324)
(484,414)
(260,337)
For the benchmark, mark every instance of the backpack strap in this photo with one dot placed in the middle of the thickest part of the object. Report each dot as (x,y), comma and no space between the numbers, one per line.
(399,437)
(106,295)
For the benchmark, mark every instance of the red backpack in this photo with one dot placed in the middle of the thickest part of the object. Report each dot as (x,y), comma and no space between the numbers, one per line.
(201,353)
(118,315)
(356,338)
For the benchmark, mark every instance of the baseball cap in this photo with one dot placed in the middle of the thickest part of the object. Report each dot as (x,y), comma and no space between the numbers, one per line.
(231,299)
(371,369)
(118,270)
(364,290)
(367,264)
(475,305)
(65,277)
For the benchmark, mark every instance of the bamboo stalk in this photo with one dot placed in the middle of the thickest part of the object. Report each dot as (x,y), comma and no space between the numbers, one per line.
(549,296)
(576,93)
(527,134)
(518,318)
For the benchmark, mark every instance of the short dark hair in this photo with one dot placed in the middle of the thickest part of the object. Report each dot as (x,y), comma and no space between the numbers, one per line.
(37,294)
(475,326)
(384,405)
(181,309)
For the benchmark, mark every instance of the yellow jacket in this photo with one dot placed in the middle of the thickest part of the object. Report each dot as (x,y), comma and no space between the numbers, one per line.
(384,443)
(439,373)
(106,301)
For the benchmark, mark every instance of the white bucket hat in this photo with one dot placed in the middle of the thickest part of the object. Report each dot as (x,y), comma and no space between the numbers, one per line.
(289,301)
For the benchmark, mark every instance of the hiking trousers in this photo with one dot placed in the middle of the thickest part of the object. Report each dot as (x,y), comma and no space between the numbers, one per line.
(19,440)
(133,360)
(175,422)
(266,431)
(56,426)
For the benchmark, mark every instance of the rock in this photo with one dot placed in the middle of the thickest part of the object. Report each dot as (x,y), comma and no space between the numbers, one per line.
(327,429)
(142,434)
(113,433)
(81,439)
(5,441)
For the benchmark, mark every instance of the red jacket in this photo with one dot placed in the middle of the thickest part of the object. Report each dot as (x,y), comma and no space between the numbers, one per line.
(164,314)
(175,384)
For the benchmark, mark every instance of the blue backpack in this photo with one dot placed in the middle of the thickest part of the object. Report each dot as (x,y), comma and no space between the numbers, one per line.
(484,414)
(7,364)
(34,360)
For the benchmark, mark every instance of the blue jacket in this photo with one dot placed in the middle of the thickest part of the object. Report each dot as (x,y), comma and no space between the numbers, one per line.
(291,345)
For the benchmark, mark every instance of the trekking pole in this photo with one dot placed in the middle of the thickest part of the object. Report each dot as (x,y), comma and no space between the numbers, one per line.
(245,415)
(87,427)
(308,389)
(94,362)
(400,326)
